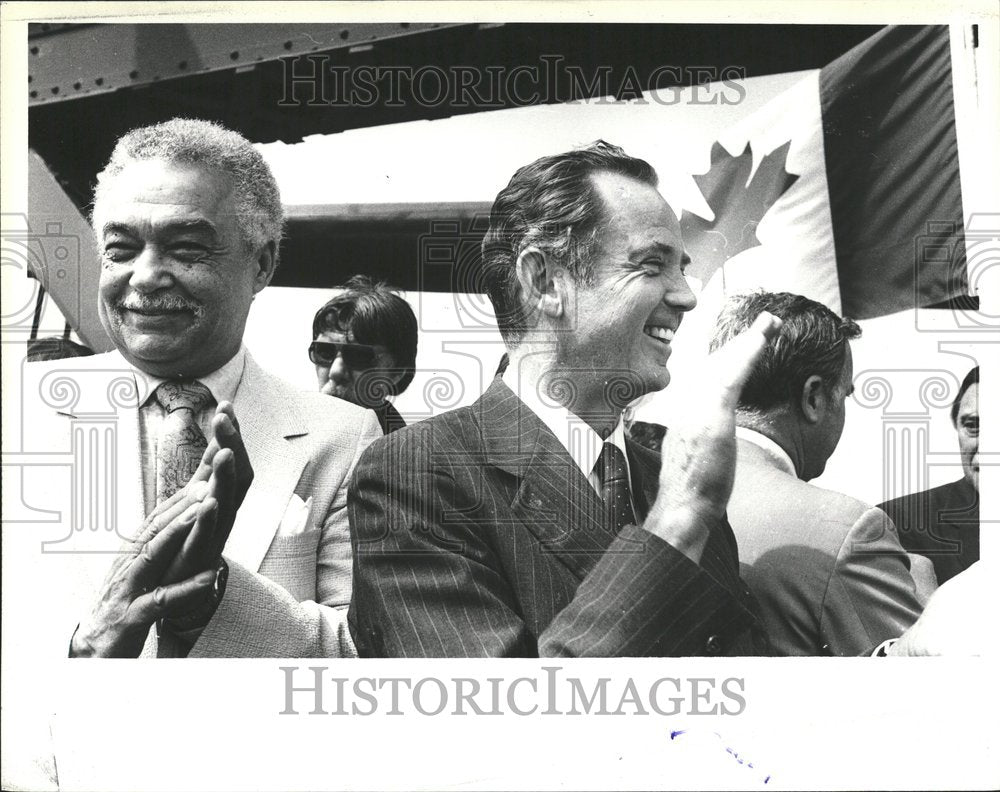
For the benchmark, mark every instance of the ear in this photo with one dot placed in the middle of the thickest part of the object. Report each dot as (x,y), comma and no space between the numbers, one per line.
(543,286)
(266,260)
(813,401)
(388,362)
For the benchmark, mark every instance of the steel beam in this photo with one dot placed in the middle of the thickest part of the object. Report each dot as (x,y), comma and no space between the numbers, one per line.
(70,62)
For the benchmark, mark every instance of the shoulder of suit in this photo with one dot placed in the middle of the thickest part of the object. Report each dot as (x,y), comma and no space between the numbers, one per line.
(321,413)
(828,505)
(932,495)
(837,504)
(454,430)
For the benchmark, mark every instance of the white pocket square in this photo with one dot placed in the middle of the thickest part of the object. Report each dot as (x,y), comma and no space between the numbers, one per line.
(295,520)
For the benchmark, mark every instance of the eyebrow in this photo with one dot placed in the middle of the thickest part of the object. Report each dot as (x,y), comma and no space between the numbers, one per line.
(198,225)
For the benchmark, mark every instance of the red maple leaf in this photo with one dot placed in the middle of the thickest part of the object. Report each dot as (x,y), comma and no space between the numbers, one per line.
(738,206)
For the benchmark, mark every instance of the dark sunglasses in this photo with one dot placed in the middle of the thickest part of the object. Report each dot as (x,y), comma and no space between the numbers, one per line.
(357,357)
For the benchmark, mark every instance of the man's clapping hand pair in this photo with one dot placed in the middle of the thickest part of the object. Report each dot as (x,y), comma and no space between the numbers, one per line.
(169,569)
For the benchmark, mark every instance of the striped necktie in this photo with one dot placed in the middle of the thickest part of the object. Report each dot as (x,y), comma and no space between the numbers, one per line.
(613,473)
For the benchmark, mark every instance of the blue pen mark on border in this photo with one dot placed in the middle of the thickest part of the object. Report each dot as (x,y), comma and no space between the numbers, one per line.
(675,733)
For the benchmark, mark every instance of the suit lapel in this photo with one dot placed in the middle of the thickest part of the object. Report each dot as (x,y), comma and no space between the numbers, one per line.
(131,505)
(644,471)
(277,460)
(554,500)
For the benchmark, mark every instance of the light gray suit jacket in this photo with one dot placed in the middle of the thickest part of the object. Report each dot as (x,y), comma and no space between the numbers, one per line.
(290,568)
(827,570)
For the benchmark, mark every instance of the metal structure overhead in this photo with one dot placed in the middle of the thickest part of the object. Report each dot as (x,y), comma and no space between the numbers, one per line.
(74,61)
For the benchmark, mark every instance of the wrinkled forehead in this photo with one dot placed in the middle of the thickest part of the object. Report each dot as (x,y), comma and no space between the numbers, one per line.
(159,191)
(636,216)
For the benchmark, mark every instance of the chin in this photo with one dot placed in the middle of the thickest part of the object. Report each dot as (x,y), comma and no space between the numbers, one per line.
(656,380)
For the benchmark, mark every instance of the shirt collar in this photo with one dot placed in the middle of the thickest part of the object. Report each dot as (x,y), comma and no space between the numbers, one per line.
(767,444)
(223,382)
(581,442)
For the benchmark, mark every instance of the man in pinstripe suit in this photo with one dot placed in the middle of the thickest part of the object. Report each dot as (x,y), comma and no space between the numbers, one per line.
(526,524)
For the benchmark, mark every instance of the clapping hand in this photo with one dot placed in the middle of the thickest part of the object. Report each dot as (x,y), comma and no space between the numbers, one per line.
(226,469)
(169,568)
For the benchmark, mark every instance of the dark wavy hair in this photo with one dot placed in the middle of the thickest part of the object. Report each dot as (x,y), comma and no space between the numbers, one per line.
(373,314)
(812,340)
(554,205)
(972,378)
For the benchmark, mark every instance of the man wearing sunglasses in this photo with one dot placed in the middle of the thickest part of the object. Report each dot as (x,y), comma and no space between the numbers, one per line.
(365,348)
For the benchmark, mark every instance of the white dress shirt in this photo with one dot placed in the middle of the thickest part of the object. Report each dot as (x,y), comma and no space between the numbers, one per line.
(581,442)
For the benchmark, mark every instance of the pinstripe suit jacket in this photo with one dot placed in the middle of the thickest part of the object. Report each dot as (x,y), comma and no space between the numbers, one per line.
(475,534)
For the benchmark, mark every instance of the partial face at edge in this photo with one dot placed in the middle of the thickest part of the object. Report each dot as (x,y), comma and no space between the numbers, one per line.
(967,425)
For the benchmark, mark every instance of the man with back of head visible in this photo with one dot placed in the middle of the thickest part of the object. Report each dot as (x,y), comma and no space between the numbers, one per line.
(827,570)
(527,524)
(942,524)
(242,546)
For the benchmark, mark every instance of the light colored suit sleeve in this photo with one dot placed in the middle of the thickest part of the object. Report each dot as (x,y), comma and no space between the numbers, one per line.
(259,618)
(871,595)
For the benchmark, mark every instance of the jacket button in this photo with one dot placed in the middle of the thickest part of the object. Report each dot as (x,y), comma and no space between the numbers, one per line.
(713,646)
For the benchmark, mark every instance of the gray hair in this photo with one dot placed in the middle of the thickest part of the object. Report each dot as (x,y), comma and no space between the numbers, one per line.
(259,214)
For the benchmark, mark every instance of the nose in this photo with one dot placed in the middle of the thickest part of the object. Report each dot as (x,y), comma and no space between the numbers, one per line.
(339,372)
(149,272)
(679,294)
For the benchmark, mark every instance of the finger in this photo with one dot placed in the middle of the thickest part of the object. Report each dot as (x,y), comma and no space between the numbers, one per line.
(225,491)
(734,362)
(205,465)
(226,408)
(177,507)
(198,552)
(175,599)
(226,430)
(156,555)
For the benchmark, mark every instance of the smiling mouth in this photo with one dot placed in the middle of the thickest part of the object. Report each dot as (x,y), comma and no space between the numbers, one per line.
(659,333)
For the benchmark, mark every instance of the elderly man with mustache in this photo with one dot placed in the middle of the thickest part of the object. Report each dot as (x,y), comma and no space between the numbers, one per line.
(229,486)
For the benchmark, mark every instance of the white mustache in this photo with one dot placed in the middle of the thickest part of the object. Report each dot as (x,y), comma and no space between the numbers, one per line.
(156,304)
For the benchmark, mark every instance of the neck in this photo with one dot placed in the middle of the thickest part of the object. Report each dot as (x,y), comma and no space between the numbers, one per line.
(779,428)
(534,370)
(179,369)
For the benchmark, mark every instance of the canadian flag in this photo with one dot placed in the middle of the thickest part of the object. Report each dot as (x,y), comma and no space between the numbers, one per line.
(844,188)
